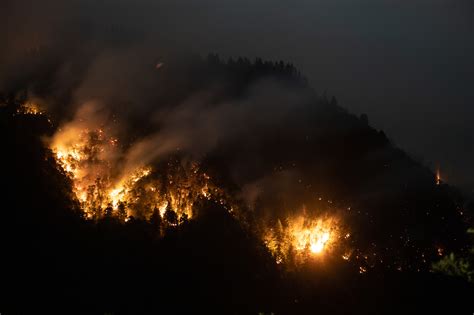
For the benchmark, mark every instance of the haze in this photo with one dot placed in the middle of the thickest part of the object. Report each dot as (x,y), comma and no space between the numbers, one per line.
(407,64)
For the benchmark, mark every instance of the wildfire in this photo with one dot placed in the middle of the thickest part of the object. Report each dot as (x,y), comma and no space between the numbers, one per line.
(120,191)
(302,237)
(315,237)
(94,163)
(438,177)
(29,109)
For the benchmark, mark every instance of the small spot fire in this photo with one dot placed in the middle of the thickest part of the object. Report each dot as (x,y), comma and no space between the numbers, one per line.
(438,177)
(29,108)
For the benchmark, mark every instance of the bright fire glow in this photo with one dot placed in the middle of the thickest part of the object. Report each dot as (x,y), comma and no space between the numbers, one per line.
(317,246)
(302,237)
(103,186)
(30,109)
(438,177)
(313,235)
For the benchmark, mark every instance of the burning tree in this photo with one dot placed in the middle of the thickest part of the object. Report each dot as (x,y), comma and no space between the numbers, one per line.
(105,185)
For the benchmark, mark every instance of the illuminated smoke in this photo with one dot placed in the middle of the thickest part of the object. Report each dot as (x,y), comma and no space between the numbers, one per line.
(95,161)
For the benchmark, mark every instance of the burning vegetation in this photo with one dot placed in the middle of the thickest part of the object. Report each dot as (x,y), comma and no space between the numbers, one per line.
(29,108)
(301,238)
(104,187)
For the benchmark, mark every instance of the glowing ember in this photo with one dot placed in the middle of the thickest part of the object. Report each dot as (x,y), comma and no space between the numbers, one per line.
(346,256)
(29,109)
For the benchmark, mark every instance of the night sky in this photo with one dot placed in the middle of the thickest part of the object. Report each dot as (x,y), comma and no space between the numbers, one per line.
(407,64)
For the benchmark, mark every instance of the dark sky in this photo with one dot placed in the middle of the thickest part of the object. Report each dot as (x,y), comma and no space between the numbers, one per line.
(408,64)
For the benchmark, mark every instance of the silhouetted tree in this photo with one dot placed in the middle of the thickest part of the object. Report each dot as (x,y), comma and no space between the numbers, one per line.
(155,219)
(121,211)
(170,216)
(183,219)
(108,211)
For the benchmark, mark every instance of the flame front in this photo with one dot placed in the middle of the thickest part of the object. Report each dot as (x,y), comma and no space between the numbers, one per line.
(314,237)
(103,186)
(302,237)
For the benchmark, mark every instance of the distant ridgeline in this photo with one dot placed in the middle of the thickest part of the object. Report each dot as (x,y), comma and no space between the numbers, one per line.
(276,162)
